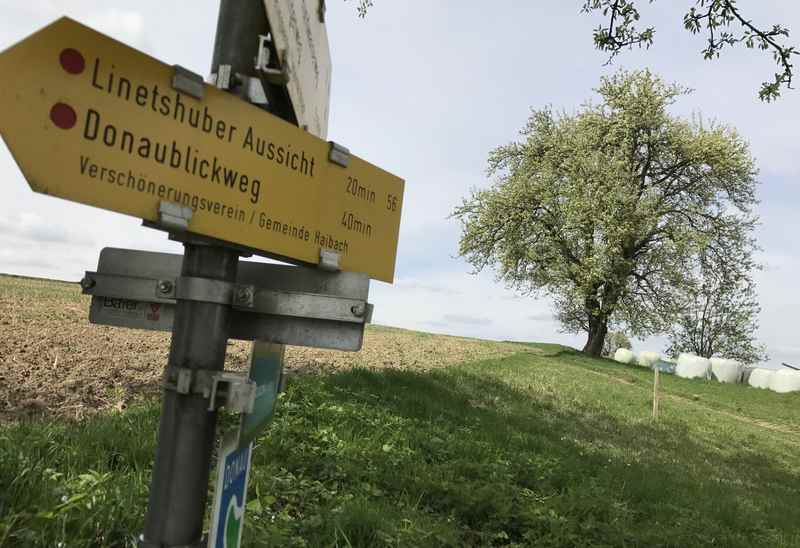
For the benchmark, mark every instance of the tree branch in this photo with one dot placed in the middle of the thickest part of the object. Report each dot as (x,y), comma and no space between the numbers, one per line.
(622,33)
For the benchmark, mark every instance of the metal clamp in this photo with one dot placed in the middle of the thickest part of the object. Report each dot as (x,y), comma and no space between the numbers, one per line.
(328,260)
(276,76)
(262,59)
(234,391)
(222,78)
(188,82)
(204,290)
(174,216)
(130,290)
(189,381)
(339,155)
(253,89)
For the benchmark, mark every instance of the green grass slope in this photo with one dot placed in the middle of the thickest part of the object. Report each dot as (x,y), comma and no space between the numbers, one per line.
(542,448)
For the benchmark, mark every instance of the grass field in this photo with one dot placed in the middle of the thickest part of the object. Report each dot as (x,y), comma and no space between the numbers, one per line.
(507,445)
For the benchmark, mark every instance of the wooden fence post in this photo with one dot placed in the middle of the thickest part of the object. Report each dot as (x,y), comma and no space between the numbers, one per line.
(656,383)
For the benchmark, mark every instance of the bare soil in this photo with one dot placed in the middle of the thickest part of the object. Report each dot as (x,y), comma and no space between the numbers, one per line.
(54,362)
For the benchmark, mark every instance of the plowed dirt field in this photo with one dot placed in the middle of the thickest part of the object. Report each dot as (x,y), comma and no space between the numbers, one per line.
(52,361)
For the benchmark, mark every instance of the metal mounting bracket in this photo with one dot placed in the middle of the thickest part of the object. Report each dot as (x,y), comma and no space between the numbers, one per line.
(301,306)
(189,381)
(174,216)
(125,291)
(262,59)
(205,290)
(188,82)
(368,313)
(328,260)
(222,78)
(233,391)
(275,76)
(339,154)
(253,89)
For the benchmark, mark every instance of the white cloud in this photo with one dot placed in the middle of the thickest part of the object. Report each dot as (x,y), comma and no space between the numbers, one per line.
(31,228)
(458,303)
(467,320)
(127,26)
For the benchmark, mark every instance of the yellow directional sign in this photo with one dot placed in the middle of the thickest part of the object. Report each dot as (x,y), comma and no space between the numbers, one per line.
(94,121)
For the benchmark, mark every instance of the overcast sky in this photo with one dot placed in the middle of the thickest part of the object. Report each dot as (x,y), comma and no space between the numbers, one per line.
(426,90)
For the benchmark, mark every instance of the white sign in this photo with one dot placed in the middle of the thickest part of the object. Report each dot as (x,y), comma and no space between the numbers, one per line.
(230,496)
(298,30)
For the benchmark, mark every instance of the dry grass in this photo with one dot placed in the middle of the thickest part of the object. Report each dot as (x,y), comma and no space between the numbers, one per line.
(52,361)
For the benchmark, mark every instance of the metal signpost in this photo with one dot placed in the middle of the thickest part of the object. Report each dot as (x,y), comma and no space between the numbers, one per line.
(223,170)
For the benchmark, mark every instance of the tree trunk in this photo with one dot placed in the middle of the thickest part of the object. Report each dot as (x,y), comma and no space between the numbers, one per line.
(598,328)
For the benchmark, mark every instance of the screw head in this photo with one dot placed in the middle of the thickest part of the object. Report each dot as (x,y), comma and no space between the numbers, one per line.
(358,310)
(243,294)
(165,286)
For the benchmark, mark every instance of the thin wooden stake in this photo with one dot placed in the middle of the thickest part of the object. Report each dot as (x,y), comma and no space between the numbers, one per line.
(656,383)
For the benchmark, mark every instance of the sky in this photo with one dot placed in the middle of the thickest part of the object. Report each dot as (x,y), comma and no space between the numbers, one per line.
(426,90)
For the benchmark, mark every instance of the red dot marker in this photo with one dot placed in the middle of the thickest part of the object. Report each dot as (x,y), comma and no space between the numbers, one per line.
(63,116)
(72,61)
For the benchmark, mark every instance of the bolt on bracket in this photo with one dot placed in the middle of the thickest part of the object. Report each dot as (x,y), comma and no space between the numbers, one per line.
(359,310)
(165,289)
(243,296)
(87,282)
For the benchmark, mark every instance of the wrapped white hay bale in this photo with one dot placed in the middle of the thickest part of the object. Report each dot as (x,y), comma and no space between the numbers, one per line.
(726,370)
(693,367)
(760,378)
(647,359)
(784,381)
(623,355)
